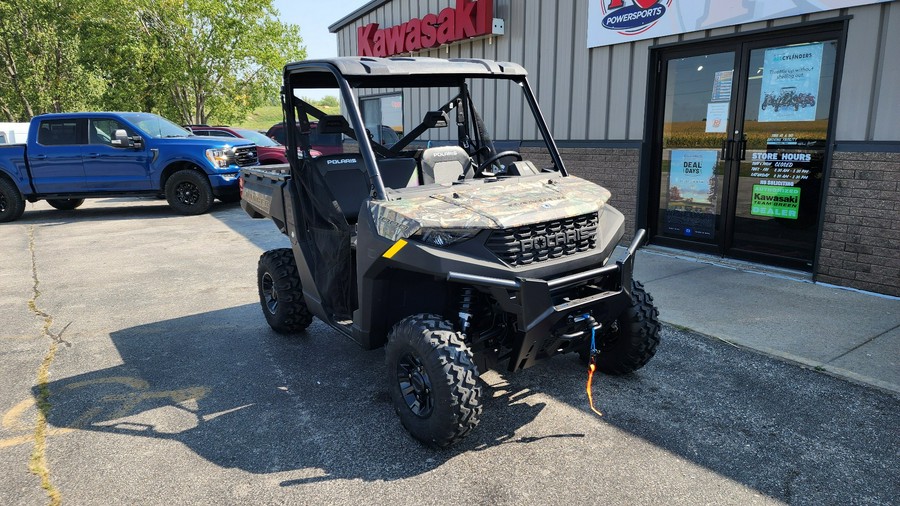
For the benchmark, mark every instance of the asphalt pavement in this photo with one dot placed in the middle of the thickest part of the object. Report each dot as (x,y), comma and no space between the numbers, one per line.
(137,369)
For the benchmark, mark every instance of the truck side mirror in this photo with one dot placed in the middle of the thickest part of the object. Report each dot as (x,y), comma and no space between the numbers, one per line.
(122,140)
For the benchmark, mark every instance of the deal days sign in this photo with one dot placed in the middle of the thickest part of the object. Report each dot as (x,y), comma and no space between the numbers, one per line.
(468,20)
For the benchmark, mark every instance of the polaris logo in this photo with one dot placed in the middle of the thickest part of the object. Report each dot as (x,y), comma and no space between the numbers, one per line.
(341,162)
(550,241)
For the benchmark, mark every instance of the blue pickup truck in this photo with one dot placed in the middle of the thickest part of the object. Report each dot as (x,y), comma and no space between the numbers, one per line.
(71,157)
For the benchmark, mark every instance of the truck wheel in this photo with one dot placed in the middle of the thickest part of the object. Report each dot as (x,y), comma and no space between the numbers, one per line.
(189,192)
(65,204)
(12,205)
(634,343)
(280,293)
(433,380)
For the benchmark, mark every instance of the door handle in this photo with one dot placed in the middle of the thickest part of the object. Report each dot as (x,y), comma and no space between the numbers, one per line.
(727,146)
(743,147)
(93,155)
(39,157)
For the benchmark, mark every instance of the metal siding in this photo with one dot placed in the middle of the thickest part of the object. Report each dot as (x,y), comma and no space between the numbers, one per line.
(640,60)
(600,77)
(793,20)
(619,91)
(564,59)
(860,67)
(515,28)
(532,55)
(579,102)
(886,120)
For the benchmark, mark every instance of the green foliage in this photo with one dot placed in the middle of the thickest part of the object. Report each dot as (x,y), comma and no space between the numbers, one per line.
(193,61)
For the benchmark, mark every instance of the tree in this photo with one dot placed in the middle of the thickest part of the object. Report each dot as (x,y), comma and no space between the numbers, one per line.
(40,70)
(218,58)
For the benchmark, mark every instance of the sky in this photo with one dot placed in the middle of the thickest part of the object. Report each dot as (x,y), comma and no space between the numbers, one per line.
(314,17)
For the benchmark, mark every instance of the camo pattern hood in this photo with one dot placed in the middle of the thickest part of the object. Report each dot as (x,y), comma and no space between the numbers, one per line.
(500,204)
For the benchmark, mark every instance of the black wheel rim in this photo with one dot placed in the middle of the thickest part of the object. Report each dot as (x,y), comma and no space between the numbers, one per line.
(415,385)
(187,193)
(269,293)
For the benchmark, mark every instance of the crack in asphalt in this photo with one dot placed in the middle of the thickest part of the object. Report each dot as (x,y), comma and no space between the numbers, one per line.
(38,461)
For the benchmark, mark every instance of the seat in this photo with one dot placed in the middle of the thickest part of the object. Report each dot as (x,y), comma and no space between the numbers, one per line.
(446,164)
(347,180)
(398,172)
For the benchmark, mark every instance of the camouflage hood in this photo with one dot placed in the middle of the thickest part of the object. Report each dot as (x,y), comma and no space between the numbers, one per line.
(494,205)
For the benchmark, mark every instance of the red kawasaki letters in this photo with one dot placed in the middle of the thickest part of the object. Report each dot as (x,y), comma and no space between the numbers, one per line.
(470,18)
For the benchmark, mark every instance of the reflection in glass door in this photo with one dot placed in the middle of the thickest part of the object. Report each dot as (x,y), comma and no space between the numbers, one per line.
(698,99)
(740,147)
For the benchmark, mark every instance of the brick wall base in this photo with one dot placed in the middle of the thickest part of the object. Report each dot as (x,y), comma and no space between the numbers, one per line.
(614,169)
(861,235)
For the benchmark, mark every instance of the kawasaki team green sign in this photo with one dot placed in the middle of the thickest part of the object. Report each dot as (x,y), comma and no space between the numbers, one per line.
(775,201)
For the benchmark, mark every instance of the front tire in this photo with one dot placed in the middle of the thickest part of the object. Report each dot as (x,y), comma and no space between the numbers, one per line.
(12,204)
(280,292)
(189,192)
(65,204)
(634,342)
(433,380)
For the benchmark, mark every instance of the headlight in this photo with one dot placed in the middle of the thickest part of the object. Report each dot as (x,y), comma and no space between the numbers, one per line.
(220,157)
(443,236)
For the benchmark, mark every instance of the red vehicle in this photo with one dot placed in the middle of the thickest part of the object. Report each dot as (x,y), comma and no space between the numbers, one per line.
(326,144)
(270,152)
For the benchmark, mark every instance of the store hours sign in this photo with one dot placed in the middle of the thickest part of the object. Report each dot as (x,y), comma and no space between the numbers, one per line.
(618,21)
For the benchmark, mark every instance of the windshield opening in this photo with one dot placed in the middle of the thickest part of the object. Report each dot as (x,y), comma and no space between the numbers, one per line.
(445,131)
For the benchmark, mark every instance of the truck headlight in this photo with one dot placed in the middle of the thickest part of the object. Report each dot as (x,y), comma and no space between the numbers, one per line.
(219,157)
(443,236)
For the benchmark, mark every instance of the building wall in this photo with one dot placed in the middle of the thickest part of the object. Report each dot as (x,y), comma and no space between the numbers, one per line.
(600,93)
(861,235)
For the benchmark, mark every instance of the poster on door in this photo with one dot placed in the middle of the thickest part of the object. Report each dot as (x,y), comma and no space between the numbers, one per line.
(790,83)
(693,193)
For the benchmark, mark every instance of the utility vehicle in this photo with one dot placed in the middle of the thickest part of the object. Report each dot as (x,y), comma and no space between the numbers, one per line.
(453,251)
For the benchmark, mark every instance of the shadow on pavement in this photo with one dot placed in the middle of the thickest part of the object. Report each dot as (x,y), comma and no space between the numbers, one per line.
(243,397)
(143,208)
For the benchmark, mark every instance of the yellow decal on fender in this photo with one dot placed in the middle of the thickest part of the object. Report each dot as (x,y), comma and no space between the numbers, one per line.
(394,249)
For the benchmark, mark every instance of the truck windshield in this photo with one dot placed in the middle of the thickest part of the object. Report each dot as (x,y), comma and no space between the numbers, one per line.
(156,126)
(257,138)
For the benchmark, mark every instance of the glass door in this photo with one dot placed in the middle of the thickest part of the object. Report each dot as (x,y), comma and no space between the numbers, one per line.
(780,149)
(739,148)
(693,163)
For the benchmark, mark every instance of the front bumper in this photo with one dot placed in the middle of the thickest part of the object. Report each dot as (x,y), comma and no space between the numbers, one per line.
(549,317)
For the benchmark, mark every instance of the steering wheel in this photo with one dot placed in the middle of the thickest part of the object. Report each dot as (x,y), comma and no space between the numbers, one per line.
(492,160)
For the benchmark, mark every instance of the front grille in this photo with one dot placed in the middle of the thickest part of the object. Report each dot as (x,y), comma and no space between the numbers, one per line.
(544,241)
(245,156)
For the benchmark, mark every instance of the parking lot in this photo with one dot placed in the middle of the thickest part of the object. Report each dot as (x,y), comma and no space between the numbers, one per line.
(138,369)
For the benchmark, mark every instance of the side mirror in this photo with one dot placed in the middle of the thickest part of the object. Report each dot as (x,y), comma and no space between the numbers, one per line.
(137,142)
(121,139)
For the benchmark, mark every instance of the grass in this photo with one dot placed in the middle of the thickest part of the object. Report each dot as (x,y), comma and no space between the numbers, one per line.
(264,117)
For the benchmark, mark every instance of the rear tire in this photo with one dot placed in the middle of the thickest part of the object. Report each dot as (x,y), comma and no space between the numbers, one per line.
(634,343)
(12,204)
(65,204)
(433,380)
(189,192)
(280,292)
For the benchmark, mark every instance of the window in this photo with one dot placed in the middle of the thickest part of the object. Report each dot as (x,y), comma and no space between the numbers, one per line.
(383,117)
(103,131)
(59,132)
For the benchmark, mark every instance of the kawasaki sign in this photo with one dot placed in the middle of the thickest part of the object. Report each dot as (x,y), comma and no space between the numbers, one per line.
(469,19)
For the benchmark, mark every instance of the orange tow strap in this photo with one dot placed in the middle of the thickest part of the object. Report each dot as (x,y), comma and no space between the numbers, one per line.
(592,368)
(590,380)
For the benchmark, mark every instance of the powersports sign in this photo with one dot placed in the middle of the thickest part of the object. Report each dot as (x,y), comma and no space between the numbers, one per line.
(618,21)
(468,20)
